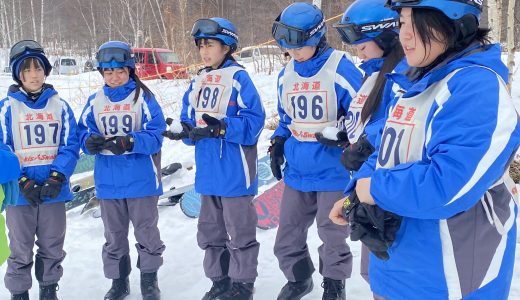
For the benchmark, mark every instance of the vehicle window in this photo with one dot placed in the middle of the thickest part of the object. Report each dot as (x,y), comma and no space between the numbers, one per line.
(246,53)
(68,62)
(139,57)
(169,57)
(151,58)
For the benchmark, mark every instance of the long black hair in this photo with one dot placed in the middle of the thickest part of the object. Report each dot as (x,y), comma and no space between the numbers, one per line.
(394,56)
(140,86)
(434,26)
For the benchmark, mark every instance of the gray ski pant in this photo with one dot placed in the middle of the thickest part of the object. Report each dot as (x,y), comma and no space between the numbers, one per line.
(47,223)
(297,213)
(116,216)
(227,234)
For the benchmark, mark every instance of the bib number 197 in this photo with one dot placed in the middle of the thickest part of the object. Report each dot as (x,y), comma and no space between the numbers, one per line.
(38,134)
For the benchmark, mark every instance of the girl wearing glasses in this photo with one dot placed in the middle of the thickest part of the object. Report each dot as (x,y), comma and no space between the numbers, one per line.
(222,115)
(314,93)
(122,124)
(39,126)
(442,165)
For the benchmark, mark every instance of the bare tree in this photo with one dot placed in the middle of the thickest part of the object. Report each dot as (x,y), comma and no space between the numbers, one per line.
(511,40)
(35,37)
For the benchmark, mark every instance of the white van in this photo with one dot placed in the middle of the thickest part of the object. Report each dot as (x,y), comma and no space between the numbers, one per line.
(255,53)
(65,66)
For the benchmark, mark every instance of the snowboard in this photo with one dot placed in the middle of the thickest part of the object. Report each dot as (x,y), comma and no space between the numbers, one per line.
(190,202)
(267,206)
(173,195)
(81,197)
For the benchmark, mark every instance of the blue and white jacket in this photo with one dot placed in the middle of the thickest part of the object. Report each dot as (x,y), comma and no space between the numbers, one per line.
(135,174)
(10,165)
(226,166)
(68,149)
(311,166)
(377,119)
(457,128)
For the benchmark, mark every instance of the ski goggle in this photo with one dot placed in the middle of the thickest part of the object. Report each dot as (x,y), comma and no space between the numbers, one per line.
(22,46)
(113,54)
(351,33)
(210,27)
(292,35)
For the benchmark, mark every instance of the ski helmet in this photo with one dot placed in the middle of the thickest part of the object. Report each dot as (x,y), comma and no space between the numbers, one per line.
(366,20)
(465,15)
(218,29)
(115,54)
(299,25)
(25,49)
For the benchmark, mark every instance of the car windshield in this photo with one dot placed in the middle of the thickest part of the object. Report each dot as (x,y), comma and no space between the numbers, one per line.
(168,57)
(68,62)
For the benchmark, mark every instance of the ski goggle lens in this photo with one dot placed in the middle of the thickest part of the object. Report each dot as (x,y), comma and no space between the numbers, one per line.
(349,33)
(292,36)
(210,27)
(22,46)
(113,54)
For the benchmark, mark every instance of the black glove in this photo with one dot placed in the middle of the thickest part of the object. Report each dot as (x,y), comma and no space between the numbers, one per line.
(216,129)
(341,142)
(184,134)
(52,186)
(95,144)
(276,152)
(356,154)
(30,190)
(373,226)
(120,144)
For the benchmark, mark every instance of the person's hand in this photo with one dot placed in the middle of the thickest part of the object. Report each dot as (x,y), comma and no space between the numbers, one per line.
(95,144)
(363,191)
(336,214)
(215,129)
(120,144)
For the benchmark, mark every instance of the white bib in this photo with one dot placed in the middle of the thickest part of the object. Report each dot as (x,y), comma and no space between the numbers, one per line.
(36,132)
(211,92)
(353,124)
(311,102)
(117,118)
(404,134)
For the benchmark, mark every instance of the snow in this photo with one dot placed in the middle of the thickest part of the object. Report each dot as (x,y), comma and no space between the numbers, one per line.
(182,276)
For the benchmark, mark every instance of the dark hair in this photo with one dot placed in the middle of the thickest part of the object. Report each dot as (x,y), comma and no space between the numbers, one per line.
(27,63)
(456,35)
(140,86)
(374,98)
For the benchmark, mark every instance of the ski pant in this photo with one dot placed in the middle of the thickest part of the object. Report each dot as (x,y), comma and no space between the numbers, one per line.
(363,270)
(297,213)
(227,234)
(47,222)
(116,216)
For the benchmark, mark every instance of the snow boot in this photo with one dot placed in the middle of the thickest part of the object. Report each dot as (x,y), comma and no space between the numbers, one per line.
(22,296)
(296,290)
(48,292)
(119,290)
(239,291)
(218,288)
(333,289)
(149,287)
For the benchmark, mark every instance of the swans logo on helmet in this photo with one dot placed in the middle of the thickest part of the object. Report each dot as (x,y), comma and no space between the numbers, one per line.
(479,2)
(380,26)
(320,26)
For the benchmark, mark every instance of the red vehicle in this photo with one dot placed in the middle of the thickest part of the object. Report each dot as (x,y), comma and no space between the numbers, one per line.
(155,63)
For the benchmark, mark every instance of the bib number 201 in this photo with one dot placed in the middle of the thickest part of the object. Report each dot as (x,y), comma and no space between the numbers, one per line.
(390,145)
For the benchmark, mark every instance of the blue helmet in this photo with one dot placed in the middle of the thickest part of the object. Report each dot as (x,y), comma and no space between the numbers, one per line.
(25,49)
(453,9)
(115,54)
(218,29)
(299,25)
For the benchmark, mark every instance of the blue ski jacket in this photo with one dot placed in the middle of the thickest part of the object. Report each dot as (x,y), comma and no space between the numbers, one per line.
(311,166)
(132,175)
(458,234)
(227,166)
(68,150)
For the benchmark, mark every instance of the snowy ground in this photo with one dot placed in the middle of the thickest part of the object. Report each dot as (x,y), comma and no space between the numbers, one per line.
(182,276)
